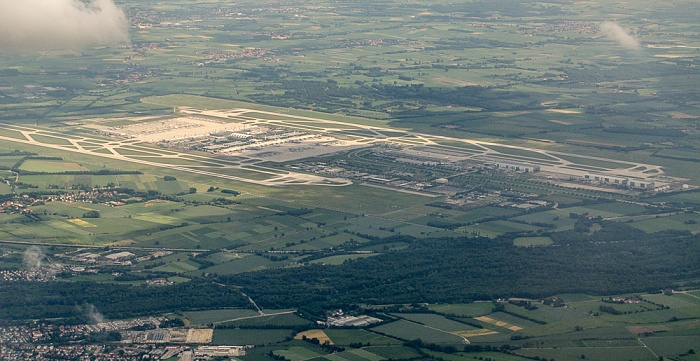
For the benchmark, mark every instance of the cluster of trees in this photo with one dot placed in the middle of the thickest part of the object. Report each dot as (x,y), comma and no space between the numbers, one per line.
(296,212)
(444,223)
(91,214)
(609,309)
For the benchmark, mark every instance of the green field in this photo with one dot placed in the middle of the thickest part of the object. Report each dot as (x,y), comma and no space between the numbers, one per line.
(248,337)
(346,337)
(602,354)
(672,345)
(393,352)
(49,166)
(464,310)
(271,320)
(406,330)
(297,353)
(207,317)
(436,322)
(471,355)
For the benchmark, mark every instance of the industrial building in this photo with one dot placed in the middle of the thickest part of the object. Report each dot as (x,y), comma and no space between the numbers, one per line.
(220,351)
(619,181)
(518,167)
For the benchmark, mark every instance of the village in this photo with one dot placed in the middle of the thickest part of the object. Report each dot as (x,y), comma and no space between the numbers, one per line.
(42,341)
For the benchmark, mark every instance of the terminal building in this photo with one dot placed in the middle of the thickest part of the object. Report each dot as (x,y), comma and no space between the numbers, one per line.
(619,181)
(518,167)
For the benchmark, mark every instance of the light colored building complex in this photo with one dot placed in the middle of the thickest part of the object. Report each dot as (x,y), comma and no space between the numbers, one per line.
(518,167)
(218,351)
(120,255)
(352,321)
(620,181)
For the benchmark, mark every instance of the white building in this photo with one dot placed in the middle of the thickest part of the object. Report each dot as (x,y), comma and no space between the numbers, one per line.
(218,351)
(518,167)
(120,255)
(619,181)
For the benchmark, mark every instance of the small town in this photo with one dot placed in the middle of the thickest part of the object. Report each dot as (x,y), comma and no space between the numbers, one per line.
(88,342)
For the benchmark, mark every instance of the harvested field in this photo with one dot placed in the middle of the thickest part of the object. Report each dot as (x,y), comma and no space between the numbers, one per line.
(200,335)
(498,323)
(320,335)
(564,111)
(81,223)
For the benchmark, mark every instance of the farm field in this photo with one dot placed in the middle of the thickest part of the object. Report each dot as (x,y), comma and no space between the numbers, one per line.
(249,336)
(207,317)
(410,331)
(346,337)
(272,318)
(298,353)
(436,322)
(621,353)
(464,310)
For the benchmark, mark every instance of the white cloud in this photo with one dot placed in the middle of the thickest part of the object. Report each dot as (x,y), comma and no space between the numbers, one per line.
(33,258)
(621,35)
(60,24)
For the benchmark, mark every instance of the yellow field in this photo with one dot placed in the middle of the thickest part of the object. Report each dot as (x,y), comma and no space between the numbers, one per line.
(498,323)
(564,111)
(475,333)
(269,209)
(670,56)
(317,334)
(157,218)
(186,36)
(510,114)
(679,115)
(150,203)
(560,122)
(82,223)
(452,81)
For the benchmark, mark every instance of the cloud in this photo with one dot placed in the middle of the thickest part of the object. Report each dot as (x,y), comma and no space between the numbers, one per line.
(33,257)
(621,35)
(60,24)
(91,313)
